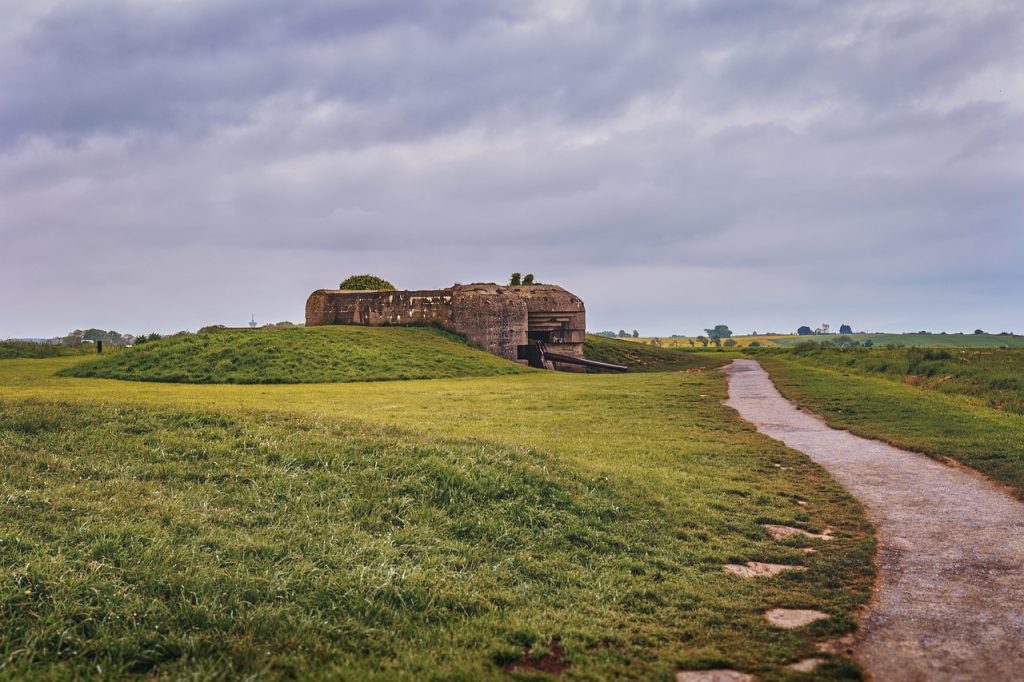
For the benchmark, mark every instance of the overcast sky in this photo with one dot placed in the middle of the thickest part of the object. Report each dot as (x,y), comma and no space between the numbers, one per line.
(764,164)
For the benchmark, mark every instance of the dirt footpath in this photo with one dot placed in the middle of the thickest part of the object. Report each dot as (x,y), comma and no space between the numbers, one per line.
(950,600)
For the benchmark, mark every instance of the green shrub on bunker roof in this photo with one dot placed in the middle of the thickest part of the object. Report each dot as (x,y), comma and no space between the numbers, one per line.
(366,282)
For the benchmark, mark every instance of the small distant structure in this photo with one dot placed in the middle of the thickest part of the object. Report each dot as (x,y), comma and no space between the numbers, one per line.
(252,322)
(541,324)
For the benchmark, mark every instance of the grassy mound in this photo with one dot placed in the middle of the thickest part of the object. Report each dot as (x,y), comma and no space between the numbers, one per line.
(10,350)
(298,356)
(643,358)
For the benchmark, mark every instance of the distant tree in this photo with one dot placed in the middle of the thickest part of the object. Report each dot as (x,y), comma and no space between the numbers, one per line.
(703,340)
(606,334)
(528,279)
(108,338)
(729,343)
(143,338)
(868,343)
(636,334)
(717,340)
(720,331)
(845,329)
(804,331)
(623,334)
(515,280)
(754,344)
(366,283)
(978,331)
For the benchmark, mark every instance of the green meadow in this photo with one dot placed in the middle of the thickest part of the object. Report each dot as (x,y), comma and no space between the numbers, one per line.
(510,524)
(26,349)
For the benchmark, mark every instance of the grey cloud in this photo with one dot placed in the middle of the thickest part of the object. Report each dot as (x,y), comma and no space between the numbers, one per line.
(783,161)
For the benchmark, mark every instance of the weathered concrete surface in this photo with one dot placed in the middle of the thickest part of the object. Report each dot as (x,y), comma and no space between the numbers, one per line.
(949,604)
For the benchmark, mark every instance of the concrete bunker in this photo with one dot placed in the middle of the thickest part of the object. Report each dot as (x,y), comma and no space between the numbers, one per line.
(521,322)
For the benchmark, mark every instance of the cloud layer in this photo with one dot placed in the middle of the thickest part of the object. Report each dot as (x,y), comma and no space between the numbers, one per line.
(677,164)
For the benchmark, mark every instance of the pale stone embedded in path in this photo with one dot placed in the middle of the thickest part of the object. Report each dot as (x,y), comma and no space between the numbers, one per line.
(808,665)
(842,645)
(757,569)
(788,619)
(779,532)
(713,676)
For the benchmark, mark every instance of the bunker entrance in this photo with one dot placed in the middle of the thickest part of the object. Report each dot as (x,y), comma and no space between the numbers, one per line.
(544,336)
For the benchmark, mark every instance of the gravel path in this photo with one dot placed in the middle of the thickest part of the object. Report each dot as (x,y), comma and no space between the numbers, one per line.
(949,604)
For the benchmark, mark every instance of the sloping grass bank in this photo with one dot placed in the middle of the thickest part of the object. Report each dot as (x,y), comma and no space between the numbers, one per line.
(644,358)
(913,417)
(298,356)
(993,376)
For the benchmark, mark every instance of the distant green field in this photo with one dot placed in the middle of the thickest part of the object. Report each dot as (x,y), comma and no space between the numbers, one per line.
(443,529)
(643,358)
(299,355)
(26,349)
(787,340)
(935,340)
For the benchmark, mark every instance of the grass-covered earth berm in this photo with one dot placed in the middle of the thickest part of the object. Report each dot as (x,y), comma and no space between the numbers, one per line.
(299,355)
(993,376)
(423,529)
(964,405)
(26,349)
(645,358)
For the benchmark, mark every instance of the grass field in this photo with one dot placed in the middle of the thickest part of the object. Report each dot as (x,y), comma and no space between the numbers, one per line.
(954,417)
(26,349)
(910,340)
(404,530)
(299,355)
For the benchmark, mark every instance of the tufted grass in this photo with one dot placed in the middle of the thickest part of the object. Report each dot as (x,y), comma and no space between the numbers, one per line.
(405,530)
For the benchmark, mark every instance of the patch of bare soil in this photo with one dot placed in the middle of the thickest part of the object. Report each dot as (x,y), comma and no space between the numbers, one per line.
(757,569)
(808,665)
(552,663)
(950,547)
(787,619)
